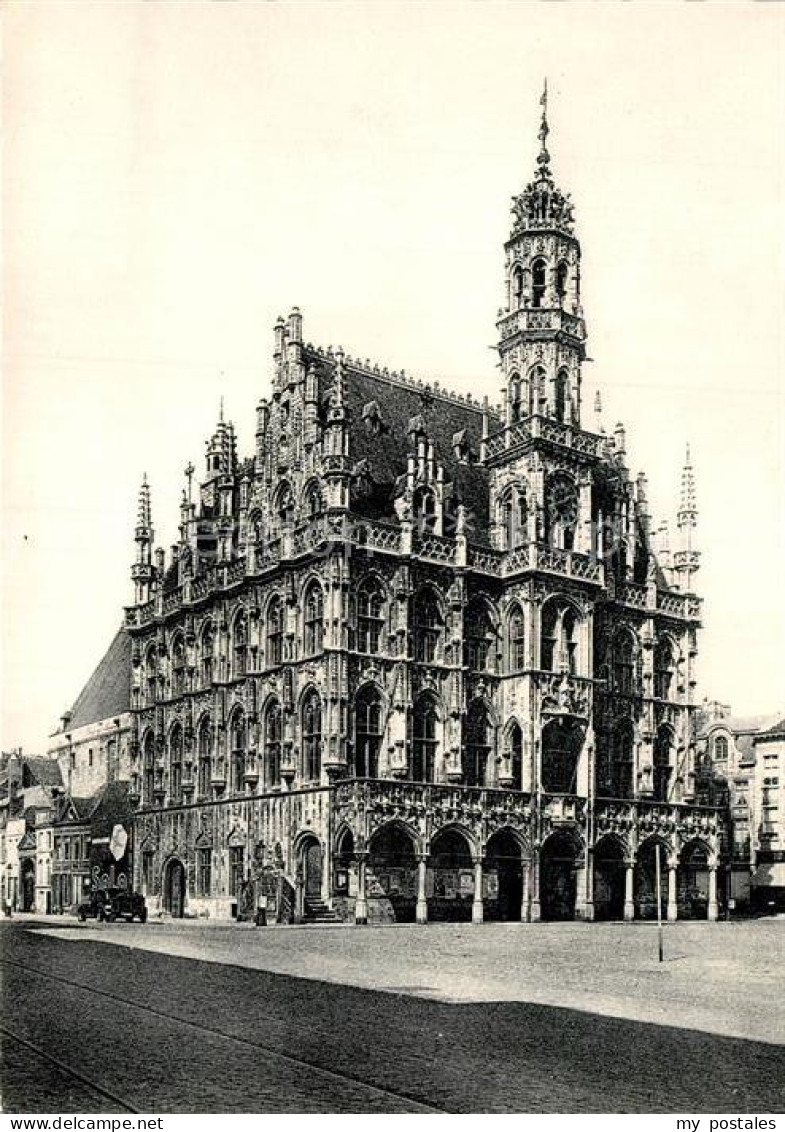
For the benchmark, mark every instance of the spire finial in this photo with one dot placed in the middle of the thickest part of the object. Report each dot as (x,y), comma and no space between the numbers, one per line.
(544,157)
(221,406)
(144,515)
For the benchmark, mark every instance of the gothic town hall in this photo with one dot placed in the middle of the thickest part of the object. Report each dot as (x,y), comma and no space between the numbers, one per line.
(421,658)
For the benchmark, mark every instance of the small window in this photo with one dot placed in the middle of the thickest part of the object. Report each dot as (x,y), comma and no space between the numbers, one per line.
(538,282)
(204,870)
(89,756)
(720,749)
(236,869)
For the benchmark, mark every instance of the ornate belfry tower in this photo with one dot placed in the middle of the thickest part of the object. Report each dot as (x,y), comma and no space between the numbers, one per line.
(541,333)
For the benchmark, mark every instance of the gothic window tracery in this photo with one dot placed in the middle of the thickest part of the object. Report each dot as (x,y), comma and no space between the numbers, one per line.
(516,401)
(559,637)
(561,281)
(623,662)
(273,736)
(312,737)
(516,288)
(425,509)
(204,753)
(151,675)
(284,505)
(274,632)
(664,668)
(175,764)
(314,504)
(148,769)
(479,636)
(561,511)
(367,733)
(514,517)
(425,723)
(515,739)
(538,282)
(238,741)
(537,394)
(516,641)
(314,620)
(240,643)
(561,392)
(428,624)
(622,758)
(370,617)
(206,654)
(178,666)
(477,745)
(663,763)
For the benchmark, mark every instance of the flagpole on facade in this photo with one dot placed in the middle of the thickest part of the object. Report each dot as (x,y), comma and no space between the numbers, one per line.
(659,900)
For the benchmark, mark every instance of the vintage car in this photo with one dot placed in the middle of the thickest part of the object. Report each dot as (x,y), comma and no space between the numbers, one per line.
(114,904)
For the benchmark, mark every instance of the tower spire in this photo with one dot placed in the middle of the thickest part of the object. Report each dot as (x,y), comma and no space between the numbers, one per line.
(686,560)
(142,570)
(544,157)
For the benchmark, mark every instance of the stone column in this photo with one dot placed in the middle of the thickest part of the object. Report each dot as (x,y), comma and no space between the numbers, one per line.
(525,895)
(712,912)
(477,908)
(584,905)
(534,874)
(672,911)
(629,889)
(361,904)
(421,912)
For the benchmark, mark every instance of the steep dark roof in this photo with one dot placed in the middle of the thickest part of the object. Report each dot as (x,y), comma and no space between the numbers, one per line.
(396,402)
(43,770)
(108,691)
(773,732)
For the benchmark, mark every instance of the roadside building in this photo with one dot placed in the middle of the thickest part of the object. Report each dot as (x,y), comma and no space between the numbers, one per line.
(768,880)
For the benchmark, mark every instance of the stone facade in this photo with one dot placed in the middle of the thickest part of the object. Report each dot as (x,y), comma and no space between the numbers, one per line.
(419,656)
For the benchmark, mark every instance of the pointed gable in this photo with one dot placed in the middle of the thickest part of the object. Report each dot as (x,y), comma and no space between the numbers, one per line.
(108,691)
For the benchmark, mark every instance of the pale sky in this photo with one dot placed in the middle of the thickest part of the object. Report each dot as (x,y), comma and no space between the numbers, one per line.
(178,175)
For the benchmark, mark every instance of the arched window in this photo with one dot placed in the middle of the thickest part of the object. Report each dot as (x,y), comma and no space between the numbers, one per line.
(479,637)
(425,509)
(240,640)
(569,636)
(424,741)
(312,737)
(623,670)
(559,638)
(561,511)
(516,405)
(562,386)
(239,744)
(273,734)
(256,526)
(206,654)
(537,393)
(367,733)
(561,281)
(622,760)
(204,753)
(314,505)
(148,770)
(151,674)
(721,749)
(274,632)
(538,282)
(663,669)
(427,626)
(477,746)
(516,649)
(516,756)
(284,505)
(516,288)
(175,764)
(178,666)
(513,517)
(314,619)
(663,746)
(370,617)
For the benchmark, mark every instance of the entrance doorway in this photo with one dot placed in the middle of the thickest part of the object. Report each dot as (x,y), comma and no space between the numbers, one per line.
(312,871)
(174,889)
(558,881)
(28,884)
(609,880)
(505,876)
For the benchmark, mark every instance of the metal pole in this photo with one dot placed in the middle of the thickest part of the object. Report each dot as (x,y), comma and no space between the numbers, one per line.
(659,901)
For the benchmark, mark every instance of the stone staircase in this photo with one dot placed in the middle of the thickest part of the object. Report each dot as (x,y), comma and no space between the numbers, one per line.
(317,912)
